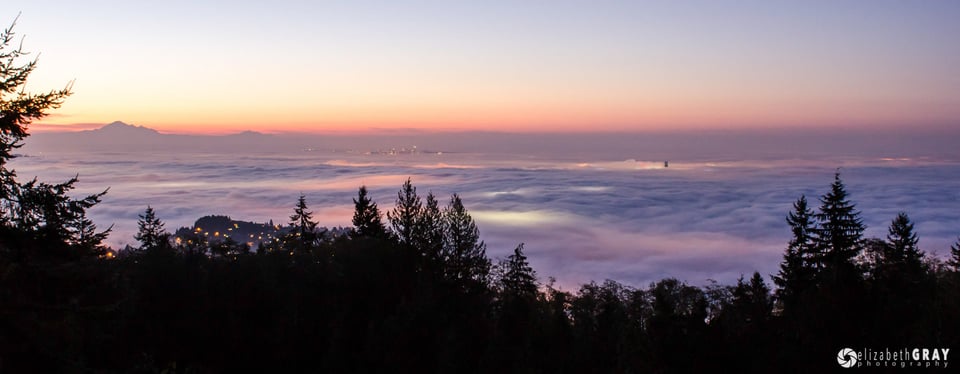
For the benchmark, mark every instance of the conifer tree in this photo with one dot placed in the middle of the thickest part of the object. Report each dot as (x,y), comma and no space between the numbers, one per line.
(428,236)
(799,261)
(17,110)
(36,214)
(750,299)
(464,254)
(151,233)
(406,214)
(760,301)
(87,239)
(839,234)
(367,220)
(45,215)
(518,279)
(34,210)
(304,234)
(954,260)
(902,246)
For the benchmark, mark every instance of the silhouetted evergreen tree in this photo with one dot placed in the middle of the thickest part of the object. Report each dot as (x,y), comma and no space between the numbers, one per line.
(45,215)
(151,233)
(517,314)
(798,267)
(954,261)
(745,324)
(406,214)
(17,110)
(518,278)
(760,300)
(898,258)
(429,235)
(36,215)
(839,234)
(367,220)
(903,246)
(87,238)
(464,254)
(900,282)
(304,235)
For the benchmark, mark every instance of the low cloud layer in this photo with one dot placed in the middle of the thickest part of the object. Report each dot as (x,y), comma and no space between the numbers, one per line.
(582,219)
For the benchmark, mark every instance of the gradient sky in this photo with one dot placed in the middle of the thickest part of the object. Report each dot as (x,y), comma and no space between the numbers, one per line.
(334,66)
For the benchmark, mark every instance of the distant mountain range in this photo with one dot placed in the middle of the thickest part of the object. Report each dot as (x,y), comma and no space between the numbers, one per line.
(120,136)
(118,128)
(707,145)
(124,130)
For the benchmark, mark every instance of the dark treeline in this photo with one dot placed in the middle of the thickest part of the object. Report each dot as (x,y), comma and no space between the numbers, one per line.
(413,290)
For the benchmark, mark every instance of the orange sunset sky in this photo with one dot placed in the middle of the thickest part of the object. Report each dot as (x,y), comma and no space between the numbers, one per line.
(530,66)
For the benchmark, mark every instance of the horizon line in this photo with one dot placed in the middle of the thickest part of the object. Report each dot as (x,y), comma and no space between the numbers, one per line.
(411,131)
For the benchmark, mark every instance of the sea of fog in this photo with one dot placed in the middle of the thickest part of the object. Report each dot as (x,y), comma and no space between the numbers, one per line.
(581,218)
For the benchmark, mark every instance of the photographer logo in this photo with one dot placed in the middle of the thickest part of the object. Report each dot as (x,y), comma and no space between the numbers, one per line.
(932,358)
(847,358)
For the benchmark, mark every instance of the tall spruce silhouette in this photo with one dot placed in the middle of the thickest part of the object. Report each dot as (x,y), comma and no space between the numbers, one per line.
(839,233)
(150,231)
(304,235)
(405,215)
(464,253)
(518,279)
(799,262)
(903,251)
(429,235)
(760,301)
(367,220)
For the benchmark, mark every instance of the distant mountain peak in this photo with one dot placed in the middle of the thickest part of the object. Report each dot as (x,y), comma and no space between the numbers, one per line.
(121,127)
(249,133)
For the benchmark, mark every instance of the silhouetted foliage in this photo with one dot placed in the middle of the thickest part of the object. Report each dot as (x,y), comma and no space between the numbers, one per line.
(17,107)
(367,220)
(36,218)
(903,245)
(406,214)
(151,233)
(799,262)
(839,235)
(677,325)
(518,278)
(430,233)
(304,235)
(954,260)
(464,254)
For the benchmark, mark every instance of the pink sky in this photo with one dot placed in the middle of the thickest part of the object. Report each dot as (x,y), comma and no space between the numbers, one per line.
(503,66)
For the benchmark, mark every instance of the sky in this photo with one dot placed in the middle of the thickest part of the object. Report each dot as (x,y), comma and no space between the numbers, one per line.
(516,66)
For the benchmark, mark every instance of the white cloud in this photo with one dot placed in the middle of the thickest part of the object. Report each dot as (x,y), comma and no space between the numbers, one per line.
(628,220)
